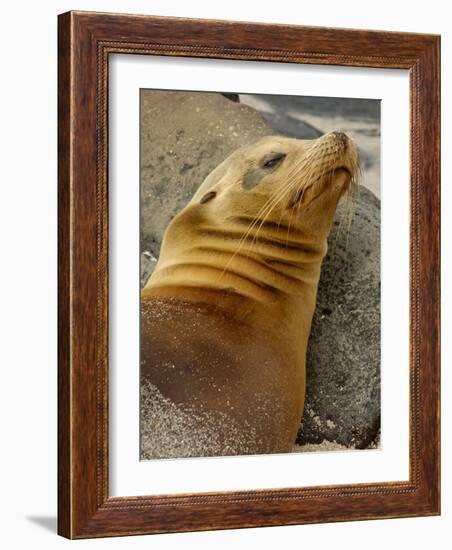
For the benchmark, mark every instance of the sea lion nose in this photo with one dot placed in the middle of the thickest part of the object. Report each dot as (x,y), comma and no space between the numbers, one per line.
(342,137)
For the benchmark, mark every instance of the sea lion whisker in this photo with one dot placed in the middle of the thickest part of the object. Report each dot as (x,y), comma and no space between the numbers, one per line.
(350,197)
(228,235)
(281,197)
(312,168)
(272,204)
(268,225)
(269,209)
(267,205)
(292,214)
(266,209)
(251,226)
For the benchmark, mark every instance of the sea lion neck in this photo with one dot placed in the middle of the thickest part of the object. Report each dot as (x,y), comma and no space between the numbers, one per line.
(272,279)
(264,265)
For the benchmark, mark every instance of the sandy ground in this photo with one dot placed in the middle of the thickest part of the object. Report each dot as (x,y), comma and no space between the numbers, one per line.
(331,446)
(320,447)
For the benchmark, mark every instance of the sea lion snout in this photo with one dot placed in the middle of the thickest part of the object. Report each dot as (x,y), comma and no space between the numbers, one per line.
(324,170)
(343,138)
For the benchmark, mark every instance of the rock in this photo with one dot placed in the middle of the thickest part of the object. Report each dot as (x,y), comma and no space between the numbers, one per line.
(232,97)
(185,136)
(343,359)
(281,112)
(147,264)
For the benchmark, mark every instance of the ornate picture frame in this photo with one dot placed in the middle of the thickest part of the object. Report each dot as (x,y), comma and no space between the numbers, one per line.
(86,40)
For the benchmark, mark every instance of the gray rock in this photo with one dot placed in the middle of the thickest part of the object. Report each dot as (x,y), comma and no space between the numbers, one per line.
(147,264)
(331,107)
(343,359)
(185,136)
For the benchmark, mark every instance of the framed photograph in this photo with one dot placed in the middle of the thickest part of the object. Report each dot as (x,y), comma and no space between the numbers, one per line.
(248,275)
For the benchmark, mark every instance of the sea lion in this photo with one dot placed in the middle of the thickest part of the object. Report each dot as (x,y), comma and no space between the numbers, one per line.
(226,314)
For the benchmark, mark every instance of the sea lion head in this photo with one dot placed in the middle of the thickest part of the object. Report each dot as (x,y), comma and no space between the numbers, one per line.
(273,201)
(293,183)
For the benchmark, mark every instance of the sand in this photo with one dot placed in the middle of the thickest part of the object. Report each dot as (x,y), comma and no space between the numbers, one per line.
(169,432)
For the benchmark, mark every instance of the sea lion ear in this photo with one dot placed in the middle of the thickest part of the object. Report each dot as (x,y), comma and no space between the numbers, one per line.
(208,197)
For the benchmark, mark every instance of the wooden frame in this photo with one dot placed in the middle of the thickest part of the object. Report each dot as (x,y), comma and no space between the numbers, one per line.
(85,42)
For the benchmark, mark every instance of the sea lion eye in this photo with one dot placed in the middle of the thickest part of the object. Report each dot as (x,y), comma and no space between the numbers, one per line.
(274,161)
(208,197)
